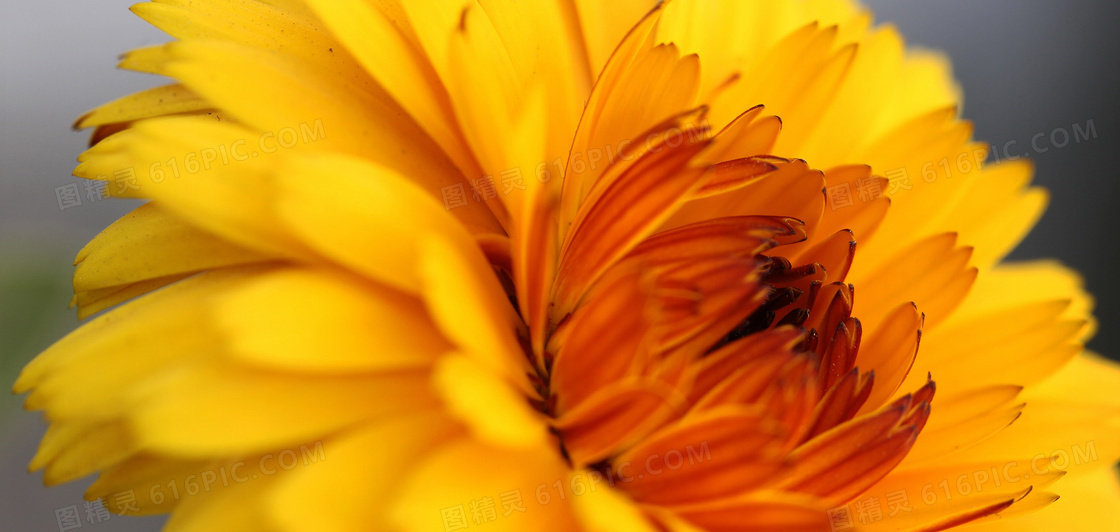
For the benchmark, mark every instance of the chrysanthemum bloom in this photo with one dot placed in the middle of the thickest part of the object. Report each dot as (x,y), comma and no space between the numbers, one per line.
(558,265)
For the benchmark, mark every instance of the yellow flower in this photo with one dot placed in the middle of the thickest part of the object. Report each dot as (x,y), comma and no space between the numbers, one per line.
(433,265)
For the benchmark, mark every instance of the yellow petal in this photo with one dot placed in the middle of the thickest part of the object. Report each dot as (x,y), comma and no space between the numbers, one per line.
(73,449)
(604,24)
(373,31)
(159,101)
(507,490)
(136,340)
(352,487)
(1087,503)
(364,216)
(149,243)
(467,302)
(605,509)
(216,409)
(495,411)
(325,322)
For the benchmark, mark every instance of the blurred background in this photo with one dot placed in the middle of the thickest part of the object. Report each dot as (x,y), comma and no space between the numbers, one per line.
(1027,68)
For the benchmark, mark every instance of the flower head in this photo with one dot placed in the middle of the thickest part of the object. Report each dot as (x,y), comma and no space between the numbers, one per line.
(436,265)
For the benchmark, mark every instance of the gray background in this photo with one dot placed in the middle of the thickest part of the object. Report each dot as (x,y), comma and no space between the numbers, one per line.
(1027,67)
